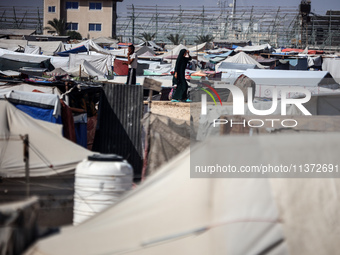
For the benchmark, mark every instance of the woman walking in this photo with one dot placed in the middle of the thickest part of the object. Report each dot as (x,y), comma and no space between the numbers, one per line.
(181,93)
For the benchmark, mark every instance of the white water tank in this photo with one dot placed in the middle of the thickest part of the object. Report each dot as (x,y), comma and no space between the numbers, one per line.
(100,181)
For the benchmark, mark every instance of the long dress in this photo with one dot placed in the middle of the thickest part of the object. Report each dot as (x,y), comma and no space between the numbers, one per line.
(181,92)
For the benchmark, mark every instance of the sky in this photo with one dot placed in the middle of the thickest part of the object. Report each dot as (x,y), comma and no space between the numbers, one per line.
(318,6)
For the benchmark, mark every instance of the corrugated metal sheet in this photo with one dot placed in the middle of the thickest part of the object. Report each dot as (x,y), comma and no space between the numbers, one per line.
(119,123)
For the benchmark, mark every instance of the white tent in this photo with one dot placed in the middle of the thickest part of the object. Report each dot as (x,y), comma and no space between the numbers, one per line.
(50,153)
(173,52)
(90,46)
(199,47)
(242,58)
(86,70)
(100,62)
(253,48)
(172,213)
(290,78)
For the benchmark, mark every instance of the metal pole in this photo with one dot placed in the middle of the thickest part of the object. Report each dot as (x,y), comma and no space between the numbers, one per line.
(133,24)
(26,160)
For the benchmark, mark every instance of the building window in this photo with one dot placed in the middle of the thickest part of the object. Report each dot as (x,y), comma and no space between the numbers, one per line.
(51,9)
(72,26)
(95,27)
(72,5)
(95,6)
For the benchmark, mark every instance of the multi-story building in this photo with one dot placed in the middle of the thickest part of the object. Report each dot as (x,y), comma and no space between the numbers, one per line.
(91,18)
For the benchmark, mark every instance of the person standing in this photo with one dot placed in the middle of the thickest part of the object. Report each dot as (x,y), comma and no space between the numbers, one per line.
(132,64)
(181,93)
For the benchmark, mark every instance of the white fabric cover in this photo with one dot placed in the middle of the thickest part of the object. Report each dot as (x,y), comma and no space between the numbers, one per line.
(47,145)
(253,48)
(100,62)
(332,65)
(90,46)
(173,214)
(242,58)
(86,70)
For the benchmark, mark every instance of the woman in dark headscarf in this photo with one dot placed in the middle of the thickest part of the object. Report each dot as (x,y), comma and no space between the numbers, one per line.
(179,77)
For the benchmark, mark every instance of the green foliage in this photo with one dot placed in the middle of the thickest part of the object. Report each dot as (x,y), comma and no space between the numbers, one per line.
(204,38)
(74,35)
(57,25)
(175,39)
(145,37)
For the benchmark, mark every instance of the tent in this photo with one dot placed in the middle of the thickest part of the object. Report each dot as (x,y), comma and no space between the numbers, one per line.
(174,52)
(290,78)
(254,48)
(145,49)
(242,58)
(16,61)
(86,69)
(90,45)
(38,105)
(50,153)
(332,65)
(172,213)
(100,62)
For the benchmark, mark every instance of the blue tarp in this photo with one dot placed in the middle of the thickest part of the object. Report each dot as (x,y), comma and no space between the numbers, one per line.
(39,113)
(74,51)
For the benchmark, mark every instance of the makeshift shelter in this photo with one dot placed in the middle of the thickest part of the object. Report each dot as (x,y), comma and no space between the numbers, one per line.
(47,145)
(102,63)
(199,47)
(85,46)
(173,53)
(48,48)
(332,65)
(145,49)
(242,58)
(84,68)
(290,78)
(254,48)
(12,45)
(172,213)
(16,61)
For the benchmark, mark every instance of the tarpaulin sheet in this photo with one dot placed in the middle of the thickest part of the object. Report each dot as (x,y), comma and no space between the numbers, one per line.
(120,68)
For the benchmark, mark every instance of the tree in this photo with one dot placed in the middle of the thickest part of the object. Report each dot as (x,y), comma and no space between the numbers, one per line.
(145,37)
(175,39)
(74,35)
(204,38)
(57,25)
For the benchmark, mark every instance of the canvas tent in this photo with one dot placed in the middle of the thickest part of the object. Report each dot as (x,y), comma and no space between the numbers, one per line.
(16,61)
(88,45)
(242,58)
(100,62)
(290,78)
(172,213)
(85,69)
(46,145)
(254,48)
(145,49)
(38,105)
(332,65)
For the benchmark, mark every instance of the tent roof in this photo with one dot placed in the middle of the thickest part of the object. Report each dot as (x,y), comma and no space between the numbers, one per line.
(172,213)
(243,58)
(290,77)
(105,40)
(254,48)
(50,153)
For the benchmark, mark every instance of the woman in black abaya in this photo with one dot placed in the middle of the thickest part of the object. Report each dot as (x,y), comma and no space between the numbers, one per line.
(181,93)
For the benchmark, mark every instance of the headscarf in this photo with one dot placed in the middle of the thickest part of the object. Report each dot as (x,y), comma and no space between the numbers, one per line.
(180,58)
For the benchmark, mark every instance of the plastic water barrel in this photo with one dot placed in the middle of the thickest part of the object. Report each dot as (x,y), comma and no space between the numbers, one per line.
(100,181)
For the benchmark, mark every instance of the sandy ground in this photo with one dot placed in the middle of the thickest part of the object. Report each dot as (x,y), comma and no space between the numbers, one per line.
(172,110)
